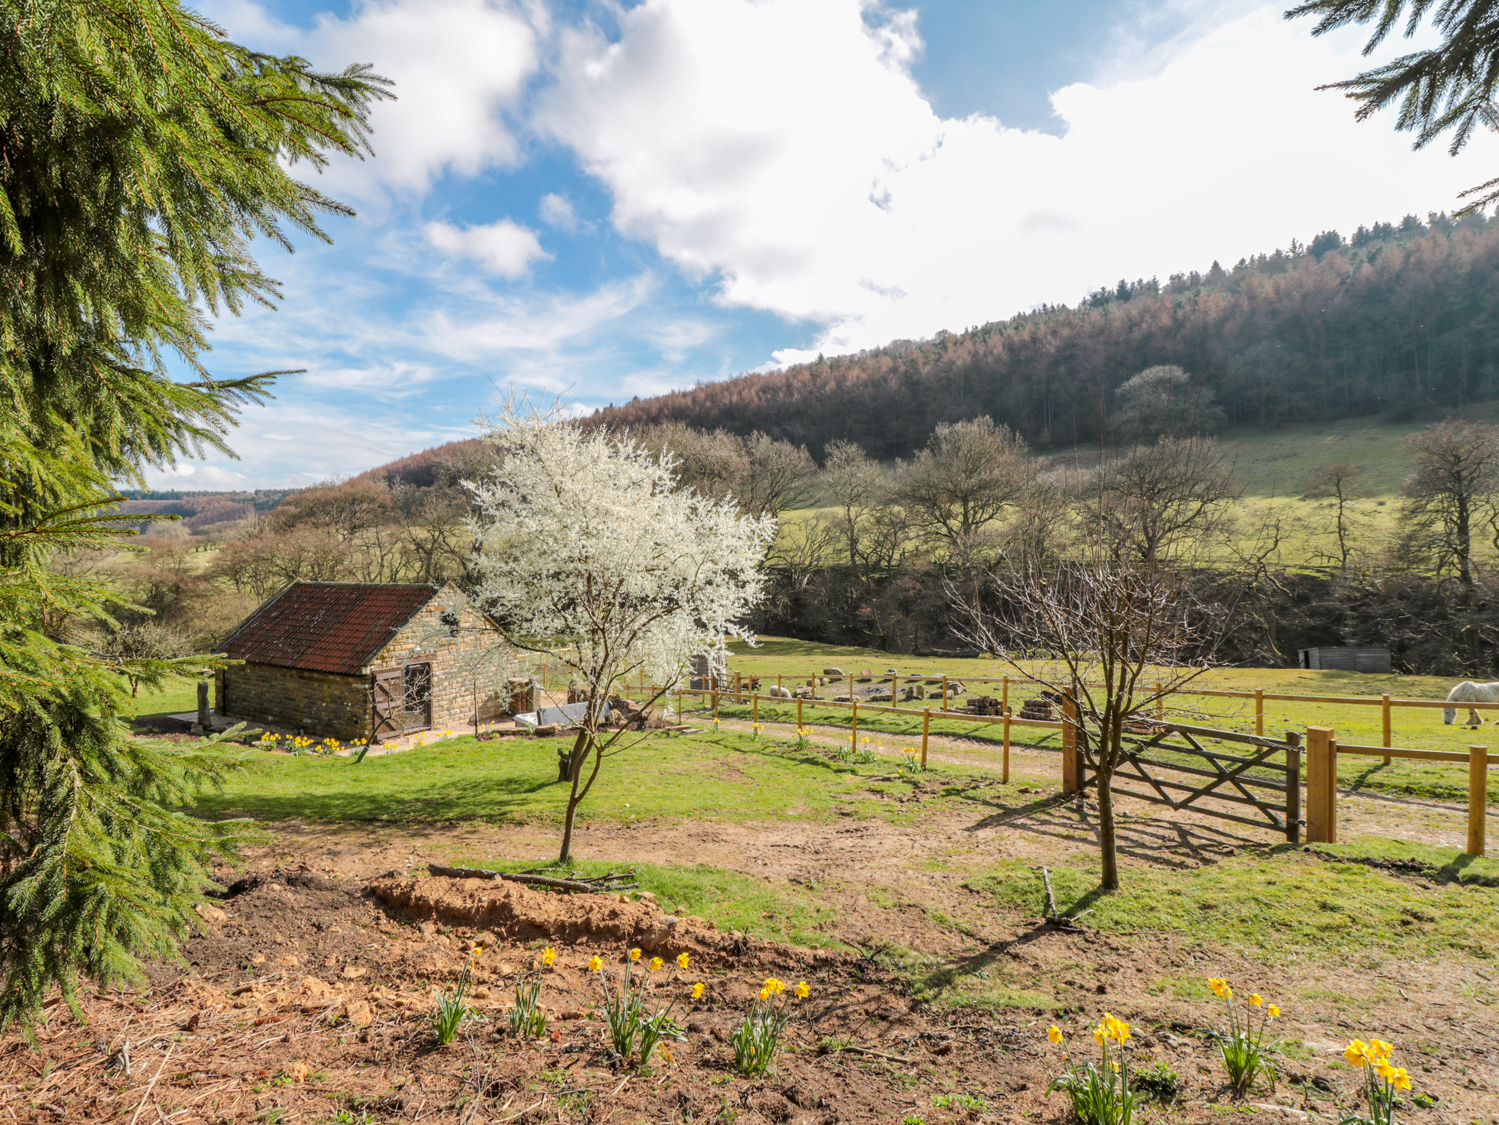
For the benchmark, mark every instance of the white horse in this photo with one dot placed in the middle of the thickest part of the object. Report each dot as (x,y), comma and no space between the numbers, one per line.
(1469,692)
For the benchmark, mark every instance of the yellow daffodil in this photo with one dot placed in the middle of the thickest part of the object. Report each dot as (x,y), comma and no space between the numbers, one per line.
(1219,985)
(1115,1064)
(1054,1034)
(682,960)
(656,964)
(765,994)
(478,949)
(595,964)
(1255,1000)
(1400,1079)
(1099,1034)
(803,991)
(1272,1011)
(1383,1069)
(697,992)
(1356,1053)
(635,954)
(1379,1049)
(548,956)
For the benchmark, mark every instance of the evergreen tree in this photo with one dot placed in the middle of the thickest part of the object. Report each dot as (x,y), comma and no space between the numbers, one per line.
(140,152)
(1448,87)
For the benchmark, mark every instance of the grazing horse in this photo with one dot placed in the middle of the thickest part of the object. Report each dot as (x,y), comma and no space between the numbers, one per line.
(1469,692)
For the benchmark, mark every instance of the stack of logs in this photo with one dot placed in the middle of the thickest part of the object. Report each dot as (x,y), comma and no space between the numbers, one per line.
(1038,708)
(984,705)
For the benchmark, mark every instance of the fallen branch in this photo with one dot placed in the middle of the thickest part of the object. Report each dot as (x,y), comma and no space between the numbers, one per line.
(152,1084)
(593,885)
(852,1050)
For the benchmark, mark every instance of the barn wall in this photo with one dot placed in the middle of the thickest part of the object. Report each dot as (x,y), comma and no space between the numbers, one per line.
(322,704)
(460,668)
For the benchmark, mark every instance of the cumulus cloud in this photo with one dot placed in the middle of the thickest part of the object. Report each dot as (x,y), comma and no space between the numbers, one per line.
(458,66)
(830,191)
(504,248)
(557,211)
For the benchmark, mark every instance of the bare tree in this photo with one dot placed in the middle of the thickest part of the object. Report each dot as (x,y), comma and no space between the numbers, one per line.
(1162,402)
(1457,475)
(777,476)
(1343,484)
(1158,500)
(856,484)
(1103,631)
(955,487)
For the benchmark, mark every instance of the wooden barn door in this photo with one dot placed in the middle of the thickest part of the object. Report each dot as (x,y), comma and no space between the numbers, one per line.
(390,703)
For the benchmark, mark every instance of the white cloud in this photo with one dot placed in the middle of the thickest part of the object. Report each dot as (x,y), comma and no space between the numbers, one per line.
(458,67)
(505,247)
(833,193)
(532,324)
(557,211)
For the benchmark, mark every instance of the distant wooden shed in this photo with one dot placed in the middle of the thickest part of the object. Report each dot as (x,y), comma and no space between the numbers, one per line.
(1348,658)
(353,660)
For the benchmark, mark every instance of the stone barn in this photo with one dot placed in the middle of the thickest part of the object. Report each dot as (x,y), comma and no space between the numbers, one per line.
(353,660)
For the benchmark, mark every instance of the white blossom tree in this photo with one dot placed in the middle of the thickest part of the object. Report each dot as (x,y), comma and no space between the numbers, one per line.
(591,552)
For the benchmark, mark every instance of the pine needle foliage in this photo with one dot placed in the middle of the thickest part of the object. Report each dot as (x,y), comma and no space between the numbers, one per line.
(141,152)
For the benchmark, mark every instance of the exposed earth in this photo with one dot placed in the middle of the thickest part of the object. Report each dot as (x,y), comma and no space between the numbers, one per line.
(306,997)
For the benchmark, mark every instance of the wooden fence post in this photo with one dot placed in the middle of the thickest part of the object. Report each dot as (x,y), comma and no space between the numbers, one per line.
(814,685)
(1321,785)
(1160,702)
(798,714)
(755,708)
(1259,712)
(1005,775)
(1384,705)
(715,705)
(1004,695)
(853,736)
(679,706)
(1072,780)
(1293,788)
(926,730)
(1478,796)
(779,688)
(944,693)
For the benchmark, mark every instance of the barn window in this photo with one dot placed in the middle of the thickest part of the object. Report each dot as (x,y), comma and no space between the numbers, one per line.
(416,683)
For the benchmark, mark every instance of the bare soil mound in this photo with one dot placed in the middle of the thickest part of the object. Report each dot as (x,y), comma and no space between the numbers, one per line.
(520,914)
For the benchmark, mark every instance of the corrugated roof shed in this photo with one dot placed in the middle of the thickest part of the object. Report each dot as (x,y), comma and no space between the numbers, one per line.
(326,626)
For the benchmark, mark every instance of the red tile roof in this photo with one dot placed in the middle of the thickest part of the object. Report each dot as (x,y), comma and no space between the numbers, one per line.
(326,626)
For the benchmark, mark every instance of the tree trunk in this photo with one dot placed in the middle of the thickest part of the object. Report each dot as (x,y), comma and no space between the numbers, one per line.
(574,798)
(1107,852)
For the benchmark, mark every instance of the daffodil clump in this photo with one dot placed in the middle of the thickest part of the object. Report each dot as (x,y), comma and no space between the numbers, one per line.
(867,754)
(802,739)
(1100,1093)
(910,761)
(633,1029)
(1382,1081)
(452,1011)
(297,744)
(757,1039)
(1242,1045)
(526,1018)
(755,729)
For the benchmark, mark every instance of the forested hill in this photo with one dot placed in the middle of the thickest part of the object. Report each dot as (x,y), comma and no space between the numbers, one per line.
(1394,320)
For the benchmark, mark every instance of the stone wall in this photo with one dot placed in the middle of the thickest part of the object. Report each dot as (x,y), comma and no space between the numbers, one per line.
(321,704)
(461,649)
(446,633)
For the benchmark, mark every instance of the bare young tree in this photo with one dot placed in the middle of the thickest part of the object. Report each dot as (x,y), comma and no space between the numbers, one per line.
(1343,484)
(1163,402)
(1457,476)
(1103,631)
(1158,500)
(954,488)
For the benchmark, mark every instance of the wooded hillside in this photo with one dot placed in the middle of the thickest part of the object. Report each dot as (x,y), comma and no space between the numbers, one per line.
(1393,320)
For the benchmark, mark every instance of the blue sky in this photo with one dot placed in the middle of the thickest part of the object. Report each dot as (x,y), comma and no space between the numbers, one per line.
(601,200)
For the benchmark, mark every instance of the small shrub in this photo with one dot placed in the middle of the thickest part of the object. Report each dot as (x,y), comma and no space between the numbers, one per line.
(1100,1094)
(1241,1046)
(633,1029)
(961,1101)
(757,1039)
(1158,1084)
(451,1010)
(526,1019)
(1382,1082)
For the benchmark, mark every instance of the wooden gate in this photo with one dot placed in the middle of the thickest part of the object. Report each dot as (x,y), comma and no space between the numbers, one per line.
(1169,757)
(389,704)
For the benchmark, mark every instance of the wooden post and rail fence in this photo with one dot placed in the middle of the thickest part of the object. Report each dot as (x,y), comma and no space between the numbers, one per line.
(1227,778)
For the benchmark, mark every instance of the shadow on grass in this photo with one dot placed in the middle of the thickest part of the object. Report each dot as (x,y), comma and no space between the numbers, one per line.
(502,801)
